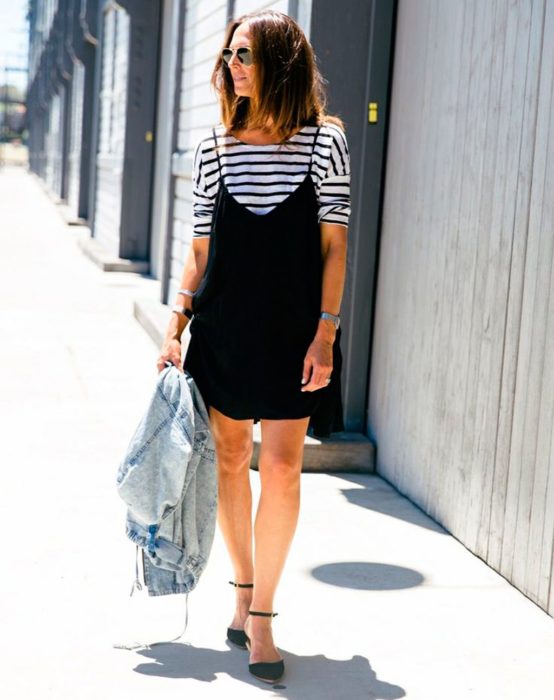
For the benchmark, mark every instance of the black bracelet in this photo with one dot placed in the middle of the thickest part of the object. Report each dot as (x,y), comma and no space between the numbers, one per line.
(182,310)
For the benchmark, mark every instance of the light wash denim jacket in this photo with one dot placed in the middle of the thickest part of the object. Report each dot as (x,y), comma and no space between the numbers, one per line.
(168,480)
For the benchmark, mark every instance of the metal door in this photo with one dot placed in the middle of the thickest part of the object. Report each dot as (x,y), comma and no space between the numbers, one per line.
(112,118)
(75,139)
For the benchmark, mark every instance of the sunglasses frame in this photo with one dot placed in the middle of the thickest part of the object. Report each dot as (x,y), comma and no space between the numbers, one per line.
(247,51)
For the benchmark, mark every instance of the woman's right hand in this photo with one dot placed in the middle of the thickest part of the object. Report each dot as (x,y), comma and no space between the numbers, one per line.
(171,351)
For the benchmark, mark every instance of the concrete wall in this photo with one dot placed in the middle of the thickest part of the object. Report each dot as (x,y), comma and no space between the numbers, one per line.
(462,373)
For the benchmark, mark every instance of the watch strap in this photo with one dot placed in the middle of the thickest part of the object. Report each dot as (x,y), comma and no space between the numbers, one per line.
(330,317)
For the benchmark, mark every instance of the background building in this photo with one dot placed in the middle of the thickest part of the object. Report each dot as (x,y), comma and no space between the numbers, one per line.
(447,311)
(13,81)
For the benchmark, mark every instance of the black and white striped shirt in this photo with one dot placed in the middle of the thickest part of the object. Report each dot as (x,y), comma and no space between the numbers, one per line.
(262,176)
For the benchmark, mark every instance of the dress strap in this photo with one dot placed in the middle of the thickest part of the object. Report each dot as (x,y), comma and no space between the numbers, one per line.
(313,147)
(217,154)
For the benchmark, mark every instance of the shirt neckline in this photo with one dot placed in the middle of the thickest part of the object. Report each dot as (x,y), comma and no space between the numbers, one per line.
(263,145)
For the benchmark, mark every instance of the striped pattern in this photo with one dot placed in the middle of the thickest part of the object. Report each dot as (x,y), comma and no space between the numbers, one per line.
(261,177)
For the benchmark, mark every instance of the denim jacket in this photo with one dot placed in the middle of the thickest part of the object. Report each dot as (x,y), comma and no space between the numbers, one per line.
(168,480)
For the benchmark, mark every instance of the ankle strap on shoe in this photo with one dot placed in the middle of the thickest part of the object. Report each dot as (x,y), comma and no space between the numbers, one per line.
(241,585)
(264,614)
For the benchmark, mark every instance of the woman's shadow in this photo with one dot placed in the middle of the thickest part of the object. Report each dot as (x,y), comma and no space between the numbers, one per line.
(306,677)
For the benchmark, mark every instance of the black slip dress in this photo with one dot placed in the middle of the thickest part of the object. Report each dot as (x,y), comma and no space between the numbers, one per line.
(256,311)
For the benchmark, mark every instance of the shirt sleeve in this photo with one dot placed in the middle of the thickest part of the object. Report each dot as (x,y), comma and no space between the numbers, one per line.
(334,193)
(202,201)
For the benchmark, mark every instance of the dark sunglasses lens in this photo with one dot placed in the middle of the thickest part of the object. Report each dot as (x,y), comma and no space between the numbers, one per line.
(245,56)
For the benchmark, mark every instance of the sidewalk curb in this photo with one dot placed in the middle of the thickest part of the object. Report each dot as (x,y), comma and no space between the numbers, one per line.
(108,262)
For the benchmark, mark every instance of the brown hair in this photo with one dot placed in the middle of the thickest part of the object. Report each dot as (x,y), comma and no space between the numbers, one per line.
(288,86)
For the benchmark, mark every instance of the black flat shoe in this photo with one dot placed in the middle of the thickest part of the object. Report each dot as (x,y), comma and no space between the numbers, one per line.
(268,671)
(238,637)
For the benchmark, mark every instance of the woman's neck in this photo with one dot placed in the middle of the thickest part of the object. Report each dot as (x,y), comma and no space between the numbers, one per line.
(259,136)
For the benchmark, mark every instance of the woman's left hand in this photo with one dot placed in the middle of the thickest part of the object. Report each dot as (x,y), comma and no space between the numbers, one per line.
(319,364)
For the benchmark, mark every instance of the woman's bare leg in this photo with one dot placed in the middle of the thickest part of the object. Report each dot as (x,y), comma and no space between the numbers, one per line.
(233,445)
(280,467)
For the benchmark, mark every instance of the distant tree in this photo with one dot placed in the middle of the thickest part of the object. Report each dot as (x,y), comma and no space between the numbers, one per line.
(12,112)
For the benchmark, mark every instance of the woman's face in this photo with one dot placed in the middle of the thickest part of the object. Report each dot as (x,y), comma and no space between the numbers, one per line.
(242,75)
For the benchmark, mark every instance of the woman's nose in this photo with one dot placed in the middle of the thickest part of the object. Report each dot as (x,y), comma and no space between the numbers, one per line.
(234,59)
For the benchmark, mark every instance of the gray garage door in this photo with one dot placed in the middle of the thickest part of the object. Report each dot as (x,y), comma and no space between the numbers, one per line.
(111,142)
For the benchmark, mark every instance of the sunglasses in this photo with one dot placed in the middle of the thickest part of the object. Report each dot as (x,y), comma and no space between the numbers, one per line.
(244,54)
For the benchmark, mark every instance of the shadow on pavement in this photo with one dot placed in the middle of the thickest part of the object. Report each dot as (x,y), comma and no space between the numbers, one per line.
(367,576)
(385,498)
(306,677)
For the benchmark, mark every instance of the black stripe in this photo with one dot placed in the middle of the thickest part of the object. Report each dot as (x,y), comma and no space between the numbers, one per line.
(230,170)
(339,143)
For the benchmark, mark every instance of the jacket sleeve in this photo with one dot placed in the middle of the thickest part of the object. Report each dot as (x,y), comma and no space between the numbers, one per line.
(152,474)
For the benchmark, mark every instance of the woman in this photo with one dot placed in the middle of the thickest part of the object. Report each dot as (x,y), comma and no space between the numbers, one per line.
(264,279)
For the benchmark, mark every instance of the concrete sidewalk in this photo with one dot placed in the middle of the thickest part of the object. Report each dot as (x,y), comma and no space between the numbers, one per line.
(376,602)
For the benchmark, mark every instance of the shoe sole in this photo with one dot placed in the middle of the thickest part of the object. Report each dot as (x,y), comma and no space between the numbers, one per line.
(267,680)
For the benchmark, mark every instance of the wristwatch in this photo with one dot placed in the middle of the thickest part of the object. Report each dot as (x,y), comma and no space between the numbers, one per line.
(330,317)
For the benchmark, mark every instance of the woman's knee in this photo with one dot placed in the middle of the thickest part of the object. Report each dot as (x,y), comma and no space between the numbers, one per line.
(280,470)
(233,441)
(234,456)
(281,451)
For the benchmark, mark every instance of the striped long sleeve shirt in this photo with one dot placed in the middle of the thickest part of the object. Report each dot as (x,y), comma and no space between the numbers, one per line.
(262,176)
